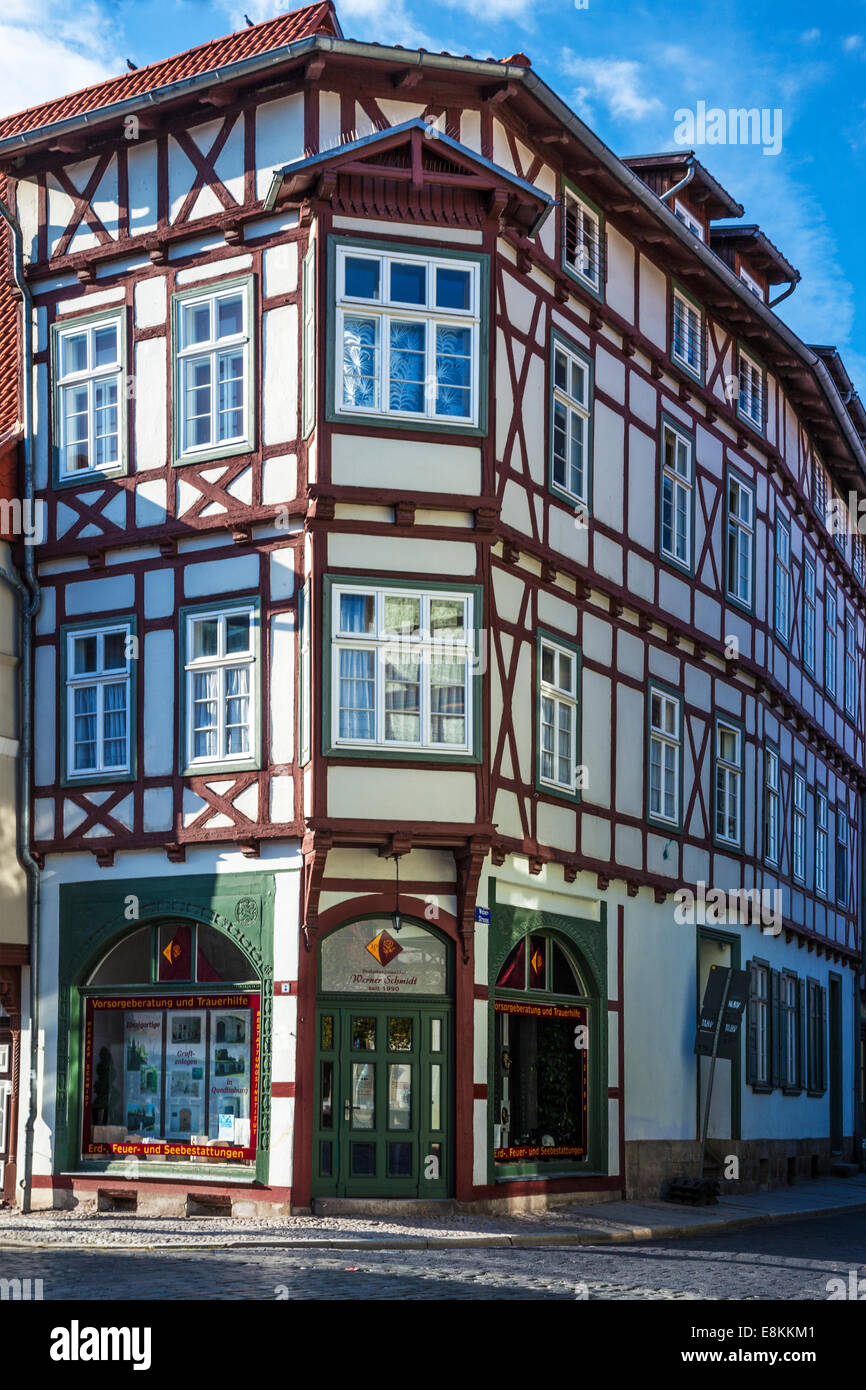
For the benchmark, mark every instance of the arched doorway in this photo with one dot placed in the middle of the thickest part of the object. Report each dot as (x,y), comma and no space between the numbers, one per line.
(384,1086)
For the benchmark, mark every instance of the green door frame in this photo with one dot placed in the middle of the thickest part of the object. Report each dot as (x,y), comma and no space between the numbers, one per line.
(733,940)
(836,1053)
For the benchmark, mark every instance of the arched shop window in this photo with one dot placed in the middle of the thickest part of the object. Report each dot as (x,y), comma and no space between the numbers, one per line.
(541,1008)
(171,1048)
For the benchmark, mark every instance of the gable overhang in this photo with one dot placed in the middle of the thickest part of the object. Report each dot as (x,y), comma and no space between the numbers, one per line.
(523,205)
(705,190)
(752,242)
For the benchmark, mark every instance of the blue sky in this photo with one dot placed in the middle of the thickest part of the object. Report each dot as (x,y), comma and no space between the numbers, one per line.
(625,67)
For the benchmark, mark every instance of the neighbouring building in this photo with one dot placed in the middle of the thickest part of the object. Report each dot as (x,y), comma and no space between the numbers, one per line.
(437,581)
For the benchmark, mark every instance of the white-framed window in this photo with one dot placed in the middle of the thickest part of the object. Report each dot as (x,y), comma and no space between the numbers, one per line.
(790,1027)
(220,672)
(830,619)
(88,367)
(408,335)
(841,857)
(751,390)
(759,1005)
(98,700)
(850,666)
(857,558)
(839,522)
(558,713)
(664,756)
(688,219)
(751,284)
(729,780)
(821,830)
(741,539)
(401,674)
(819,490)
(687,346)
(582,243)
(799,827)
(676,499)
(782,582)
(212,333)
(771,806)
(810,612)
(570,423)
(309,339)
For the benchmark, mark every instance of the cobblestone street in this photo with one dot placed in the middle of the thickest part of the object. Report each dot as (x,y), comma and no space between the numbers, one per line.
(791,1261)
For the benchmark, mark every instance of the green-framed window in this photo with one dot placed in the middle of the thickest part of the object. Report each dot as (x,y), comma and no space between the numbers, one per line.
(213,356)
(582,239)
(798,829)
(728,807)
(304,677)
(664,757)
(409,330)
(790,1032)
(810,616)
(98,680)
(782,582)
(740,540)
(570,422)
(308,365)
(220,686)
(842,857)
(88,366)
(558,731)
(752,390)
(831,641)
(851,667)
(401,670)
(759,1030)
(687,333)
(676,495)
(821,841)
(772,807)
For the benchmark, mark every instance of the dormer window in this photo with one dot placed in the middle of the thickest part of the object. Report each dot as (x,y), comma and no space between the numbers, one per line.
(752,284)
(688,219)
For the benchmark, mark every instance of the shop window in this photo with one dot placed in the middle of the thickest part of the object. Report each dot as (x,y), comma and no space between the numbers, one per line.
(541,1037)
(171,1074)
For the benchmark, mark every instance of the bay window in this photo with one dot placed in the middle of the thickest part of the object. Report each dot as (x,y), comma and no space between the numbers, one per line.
(402,668)
(408,335)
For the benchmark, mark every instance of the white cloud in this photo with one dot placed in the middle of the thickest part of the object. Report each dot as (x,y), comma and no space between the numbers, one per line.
(810,36)
(47,50)
(852,43)
(614,83)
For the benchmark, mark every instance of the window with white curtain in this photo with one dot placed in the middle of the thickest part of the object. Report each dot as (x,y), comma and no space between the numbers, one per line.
(664,757)
(212,336)
(402,664)
(408,335)
(98,701)
(220,671)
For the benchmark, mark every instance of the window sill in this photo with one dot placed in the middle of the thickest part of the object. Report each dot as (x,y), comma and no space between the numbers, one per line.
(150,1169)
(377,753)
(762,1088)
(98,779)
(409,426)
(792,1090)
(223,769)
(558,1173)
(92,478)
(209,455)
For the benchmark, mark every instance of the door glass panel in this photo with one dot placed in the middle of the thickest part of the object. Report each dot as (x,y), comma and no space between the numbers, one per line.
(399,1095)
(327,1032)
(400,1160)
(363,1034)
(326,1159)
(363,1160)
(435,1096)
(399,1035)
(363,1095)
(327,1117)
(435,1035)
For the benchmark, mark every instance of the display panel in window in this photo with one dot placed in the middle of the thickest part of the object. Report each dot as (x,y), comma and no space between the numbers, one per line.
(408,336)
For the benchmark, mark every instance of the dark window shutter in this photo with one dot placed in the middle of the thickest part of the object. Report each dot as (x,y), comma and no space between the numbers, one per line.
(801,1024)
(776,1040)
(822,1042)
(752,1029)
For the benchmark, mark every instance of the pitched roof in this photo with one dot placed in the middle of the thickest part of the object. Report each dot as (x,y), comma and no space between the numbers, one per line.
(672,166)
(247,43)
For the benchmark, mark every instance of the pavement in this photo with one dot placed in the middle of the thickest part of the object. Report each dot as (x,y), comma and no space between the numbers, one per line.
(604,1223)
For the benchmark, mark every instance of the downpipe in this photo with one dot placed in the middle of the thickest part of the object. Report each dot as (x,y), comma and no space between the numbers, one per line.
(27,593)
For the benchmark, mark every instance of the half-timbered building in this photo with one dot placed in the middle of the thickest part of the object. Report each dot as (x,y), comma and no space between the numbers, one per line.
(438,607)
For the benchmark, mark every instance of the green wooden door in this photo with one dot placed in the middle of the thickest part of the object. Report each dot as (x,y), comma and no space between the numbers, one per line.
(383,1101)
(836,1135)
